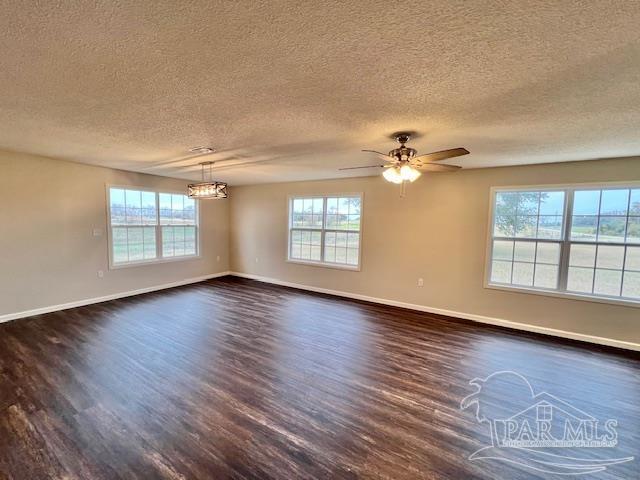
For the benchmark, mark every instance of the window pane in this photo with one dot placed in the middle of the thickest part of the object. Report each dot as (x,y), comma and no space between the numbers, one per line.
(353,240)
(546,276)
(522,274)
(583,227)
(528,203)
(119,238)
(506,204)
(118,216)
(190,211)
(329,253)
(607,282)
(548,253)
(550,226)
(178,239)
(612,229)
(610,257)
(632,261)
(505,226)
(586,202)
(165,208)
(167,241)
(502,250)
(298,205)
(332,205)
(133,207)
(343,206)
(148,208)
(524,251)
(116,197)
(633,230)
(149,239)
(316,253)
(631,285)
(330,239)
(354,208)
(307,205)
(190,241)
(352,256)
(354,222)
(526,226)
(580,279)
(634,204)
(177,209)
(341,255)
(318,207)
(341,239)
(135,244)
(117,206)
(501,272)
(552,203)
(582,255)
(614,202)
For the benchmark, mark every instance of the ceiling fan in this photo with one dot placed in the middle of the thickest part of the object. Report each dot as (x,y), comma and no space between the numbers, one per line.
(403,165)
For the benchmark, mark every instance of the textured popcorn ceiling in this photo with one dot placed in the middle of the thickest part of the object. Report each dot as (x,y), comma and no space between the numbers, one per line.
(293,90)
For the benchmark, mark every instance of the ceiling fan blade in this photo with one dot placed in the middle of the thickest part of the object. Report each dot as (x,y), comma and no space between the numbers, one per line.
(380,155)
(364,166)
(435,167)
(442,155)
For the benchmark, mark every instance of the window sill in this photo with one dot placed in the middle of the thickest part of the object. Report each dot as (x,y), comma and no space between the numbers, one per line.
(155,261)
(337,266)
(625,302)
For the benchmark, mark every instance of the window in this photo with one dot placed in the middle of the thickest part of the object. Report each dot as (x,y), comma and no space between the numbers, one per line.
(574,240)
(147,226)
(325,230)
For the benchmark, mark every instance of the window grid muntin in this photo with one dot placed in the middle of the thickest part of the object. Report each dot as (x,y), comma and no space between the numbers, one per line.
(566,242)
(324,230)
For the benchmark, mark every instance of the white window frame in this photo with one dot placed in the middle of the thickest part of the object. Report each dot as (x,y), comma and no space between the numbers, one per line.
(324,230)
(565,242)
(158,228)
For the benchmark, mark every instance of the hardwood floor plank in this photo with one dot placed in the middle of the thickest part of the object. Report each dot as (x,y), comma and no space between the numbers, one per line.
(233,378)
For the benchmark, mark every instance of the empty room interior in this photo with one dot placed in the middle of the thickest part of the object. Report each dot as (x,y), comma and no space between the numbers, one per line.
(320,240)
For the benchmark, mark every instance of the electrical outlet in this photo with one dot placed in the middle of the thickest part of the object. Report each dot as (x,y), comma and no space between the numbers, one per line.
(100,274)
(97,232)
(421,282)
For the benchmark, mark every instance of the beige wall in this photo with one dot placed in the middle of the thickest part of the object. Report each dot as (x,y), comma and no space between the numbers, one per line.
(438,232)
(48,254)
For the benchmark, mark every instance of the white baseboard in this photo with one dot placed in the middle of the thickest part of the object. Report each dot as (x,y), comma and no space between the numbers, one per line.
(80,303)
(451,313)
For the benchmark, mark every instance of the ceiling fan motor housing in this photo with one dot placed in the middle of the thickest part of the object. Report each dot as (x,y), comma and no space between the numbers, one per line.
(403,154)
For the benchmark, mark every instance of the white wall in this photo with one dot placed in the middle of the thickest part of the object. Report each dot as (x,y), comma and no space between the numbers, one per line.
(48,254)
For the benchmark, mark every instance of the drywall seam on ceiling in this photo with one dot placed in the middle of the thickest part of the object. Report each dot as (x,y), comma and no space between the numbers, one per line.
(89,301)
(610,342)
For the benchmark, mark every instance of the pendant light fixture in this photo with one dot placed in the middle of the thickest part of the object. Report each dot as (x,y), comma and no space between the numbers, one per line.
(208,188)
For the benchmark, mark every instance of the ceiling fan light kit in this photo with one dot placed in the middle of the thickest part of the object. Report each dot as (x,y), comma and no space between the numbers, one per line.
(404,166)
(209,189)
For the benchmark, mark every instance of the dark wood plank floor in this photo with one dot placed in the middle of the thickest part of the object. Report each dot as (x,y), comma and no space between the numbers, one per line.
(237,379)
